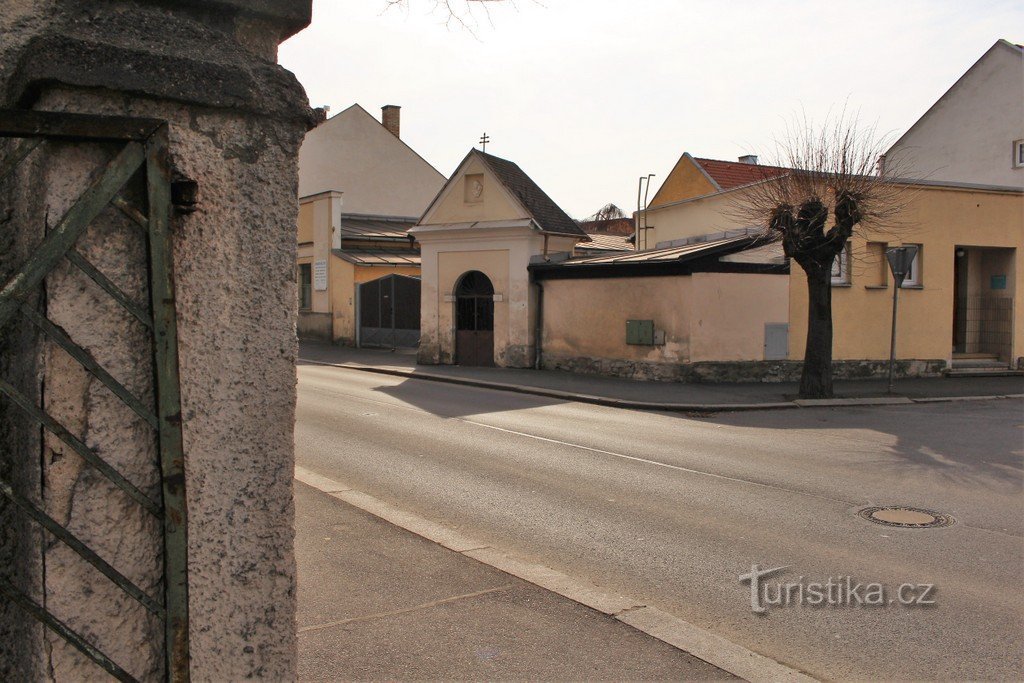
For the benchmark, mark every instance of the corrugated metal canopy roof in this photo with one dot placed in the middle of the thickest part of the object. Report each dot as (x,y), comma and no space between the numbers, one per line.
(668,254)
(706,257)
(355,226)
(378,257)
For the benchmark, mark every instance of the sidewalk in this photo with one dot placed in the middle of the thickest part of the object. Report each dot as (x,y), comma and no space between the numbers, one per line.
(659,395)
(378,602)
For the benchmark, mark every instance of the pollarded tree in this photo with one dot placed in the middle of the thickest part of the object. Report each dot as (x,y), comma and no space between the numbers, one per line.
(606,213)
(833,190)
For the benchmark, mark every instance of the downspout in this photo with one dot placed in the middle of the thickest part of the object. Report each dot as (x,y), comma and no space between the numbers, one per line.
(538,333)
(359,312)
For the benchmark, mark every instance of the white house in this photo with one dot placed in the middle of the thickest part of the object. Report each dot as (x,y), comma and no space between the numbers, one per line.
(974,133)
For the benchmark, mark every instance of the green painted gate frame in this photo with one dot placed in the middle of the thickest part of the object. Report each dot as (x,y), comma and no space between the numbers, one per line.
(145,146)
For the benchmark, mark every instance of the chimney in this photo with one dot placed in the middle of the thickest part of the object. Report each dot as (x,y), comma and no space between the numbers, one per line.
(390,116)
(749,159)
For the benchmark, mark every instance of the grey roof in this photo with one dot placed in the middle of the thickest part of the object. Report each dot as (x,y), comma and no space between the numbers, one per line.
(701,257)
(358,226)
(548,215)
(378,257)
(682,253)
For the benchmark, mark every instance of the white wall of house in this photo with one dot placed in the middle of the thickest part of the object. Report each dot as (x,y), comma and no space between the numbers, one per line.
(378,173)
(968,135)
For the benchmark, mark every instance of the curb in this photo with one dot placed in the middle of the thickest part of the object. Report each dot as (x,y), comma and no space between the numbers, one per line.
(692,639)
(654,406)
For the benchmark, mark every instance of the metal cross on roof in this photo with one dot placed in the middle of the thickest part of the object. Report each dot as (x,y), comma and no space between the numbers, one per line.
(484,139)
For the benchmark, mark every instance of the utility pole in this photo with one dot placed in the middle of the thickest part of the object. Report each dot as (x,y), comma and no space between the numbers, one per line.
(641,211)
(484,139)
(900,260)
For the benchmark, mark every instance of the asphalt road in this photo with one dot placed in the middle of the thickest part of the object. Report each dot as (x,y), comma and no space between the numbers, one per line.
(673,509)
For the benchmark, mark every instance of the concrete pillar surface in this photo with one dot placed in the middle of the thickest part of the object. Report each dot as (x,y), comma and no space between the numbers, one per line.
(236,122)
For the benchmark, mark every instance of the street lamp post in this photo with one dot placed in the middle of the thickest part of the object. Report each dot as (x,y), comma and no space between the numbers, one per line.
(900,260)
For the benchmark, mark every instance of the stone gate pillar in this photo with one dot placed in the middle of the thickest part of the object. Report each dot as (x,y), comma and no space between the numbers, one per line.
(236,122)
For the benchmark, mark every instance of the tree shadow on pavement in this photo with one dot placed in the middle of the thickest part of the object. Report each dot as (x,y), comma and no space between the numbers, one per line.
(962,442)
(454,400)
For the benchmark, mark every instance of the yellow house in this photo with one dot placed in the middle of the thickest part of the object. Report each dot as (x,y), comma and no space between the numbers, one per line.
(337,254)
(700,197)
(361,188)
(962,300)
(960,308)
(963,306)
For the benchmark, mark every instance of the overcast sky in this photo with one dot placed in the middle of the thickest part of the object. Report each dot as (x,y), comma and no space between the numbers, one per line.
(587,95)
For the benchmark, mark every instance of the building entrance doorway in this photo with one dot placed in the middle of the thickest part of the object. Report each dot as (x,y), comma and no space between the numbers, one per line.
(983,289)
(474,320)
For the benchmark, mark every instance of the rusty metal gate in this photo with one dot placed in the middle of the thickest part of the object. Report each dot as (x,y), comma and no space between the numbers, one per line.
(474,320)
(389,312)
(142,155)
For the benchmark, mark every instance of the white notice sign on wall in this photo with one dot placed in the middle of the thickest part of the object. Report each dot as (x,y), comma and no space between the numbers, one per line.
(320,275)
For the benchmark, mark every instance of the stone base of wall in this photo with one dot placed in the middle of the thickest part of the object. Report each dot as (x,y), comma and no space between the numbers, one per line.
(738,371)
(514,356)
(314,326)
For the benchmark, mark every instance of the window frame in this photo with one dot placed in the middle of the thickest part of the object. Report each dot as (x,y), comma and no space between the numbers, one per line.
(914,279)
(844,257)
(304,279)
(1018,153)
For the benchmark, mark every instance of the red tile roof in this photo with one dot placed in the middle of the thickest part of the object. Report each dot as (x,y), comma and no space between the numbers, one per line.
(730,174)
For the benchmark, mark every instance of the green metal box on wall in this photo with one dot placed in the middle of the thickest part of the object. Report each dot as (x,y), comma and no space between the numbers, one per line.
(640,332)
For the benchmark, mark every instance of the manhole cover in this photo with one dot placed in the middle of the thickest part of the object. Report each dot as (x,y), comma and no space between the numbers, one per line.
(910,518)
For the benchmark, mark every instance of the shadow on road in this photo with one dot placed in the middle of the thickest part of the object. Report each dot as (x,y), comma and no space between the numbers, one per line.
(978,440)
(454,400)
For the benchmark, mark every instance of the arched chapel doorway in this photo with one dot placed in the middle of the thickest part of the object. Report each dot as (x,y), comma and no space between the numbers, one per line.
(474,320)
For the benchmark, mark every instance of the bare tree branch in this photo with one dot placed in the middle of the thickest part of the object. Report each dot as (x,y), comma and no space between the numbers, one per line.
(457,13)
(832,172)
(836,165)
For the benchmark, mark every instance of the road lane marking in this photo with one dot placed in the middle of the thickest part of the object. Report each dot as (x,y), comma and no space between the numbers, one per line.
(657,463)
(597,450)
(407,610)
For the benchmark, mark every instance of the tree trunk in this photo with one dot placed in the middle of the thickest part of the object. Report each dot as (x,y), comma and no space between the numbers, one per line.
(816,380)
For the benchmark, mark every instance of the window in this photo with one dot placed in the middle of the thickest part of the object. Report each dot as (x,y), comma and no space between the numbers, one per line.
(841,267)
(913,278)
(305,277)
(1018,153)
(876,265)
